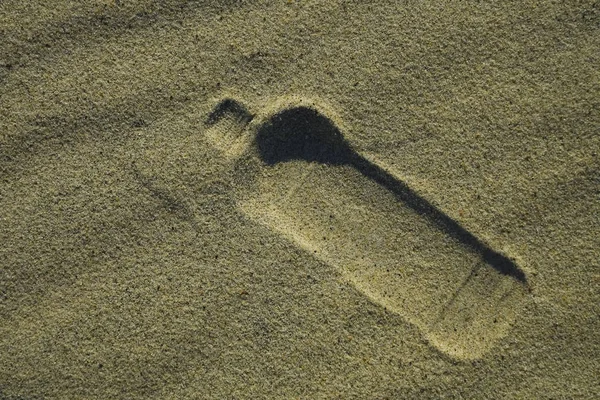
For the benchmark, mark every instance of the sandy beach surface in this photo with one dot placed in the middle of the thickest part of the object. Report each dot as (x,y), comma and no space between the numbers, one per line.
(299,199)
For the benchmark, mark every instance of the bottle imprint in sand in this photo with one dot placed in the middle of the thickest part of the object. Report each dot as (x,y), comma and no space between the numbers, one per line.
(304,181)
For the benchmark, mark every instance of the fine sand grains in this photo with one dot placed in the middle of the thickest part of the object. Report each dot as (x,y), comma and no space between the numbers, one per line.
(304,199)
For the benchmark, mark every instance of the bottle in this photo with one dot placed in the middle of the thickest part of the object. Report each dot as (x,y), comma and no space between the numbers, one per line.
(294,172)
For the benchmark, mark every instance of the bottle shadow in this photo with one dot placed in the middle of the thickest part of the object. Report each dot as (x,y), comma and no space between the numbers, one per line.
(302,133)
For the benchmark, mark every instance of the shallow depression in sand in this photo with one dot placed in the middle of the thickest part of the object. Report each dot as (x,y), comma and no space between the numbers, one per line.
(298,176)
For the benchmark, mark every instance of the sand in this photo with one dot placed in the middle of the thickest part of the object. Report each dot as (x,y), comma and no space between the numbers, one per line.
(297,199)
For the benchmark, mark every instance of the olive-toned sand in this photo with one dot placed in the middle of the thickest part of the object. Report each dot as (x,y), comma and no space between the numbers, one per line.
(157,242)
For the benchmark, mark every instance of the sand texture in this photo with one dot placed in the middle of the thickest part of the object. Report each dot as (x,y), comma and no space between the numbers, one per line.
(299,199)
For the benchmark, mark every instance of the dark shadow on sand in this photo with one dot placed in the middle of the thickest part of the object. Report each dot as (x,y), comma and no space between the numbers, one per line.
(302,133)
